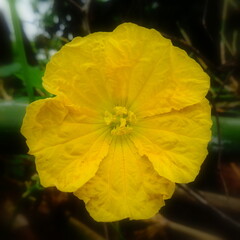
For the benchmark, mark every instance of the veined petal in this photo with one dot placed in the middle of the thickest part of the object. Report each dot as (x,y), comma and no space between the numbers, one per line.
(176,142)
(66,140)
(125,186)
(132,66)
(131,55)
(182,83)
(150,75)
(76,71)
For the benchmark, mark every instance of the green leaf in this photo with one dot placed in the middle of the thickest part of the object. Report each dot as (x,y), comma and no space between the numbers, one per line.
(10,69)
(34,74)
(226,134)
(21,56)
(11,115)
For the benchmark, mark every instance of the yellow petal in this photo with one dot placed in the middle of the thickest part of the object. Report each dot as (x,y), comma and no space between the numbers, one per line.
(76,72)
(131,54)
(176,142)
(66,140)
(125,186)
(176,82)
(149,75)
(133,66)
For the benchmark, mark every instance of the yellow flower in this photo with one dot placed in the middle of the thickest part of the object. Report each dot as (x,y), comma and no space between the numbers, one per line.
(129,120)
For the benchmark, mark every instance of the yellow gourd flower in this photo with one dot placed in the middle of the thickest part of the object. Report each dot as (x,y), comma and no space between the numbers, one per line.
(129,120)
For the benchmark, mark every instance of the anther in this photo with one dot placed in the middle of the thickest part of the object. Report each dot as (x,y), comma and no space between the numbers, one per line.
(120,121)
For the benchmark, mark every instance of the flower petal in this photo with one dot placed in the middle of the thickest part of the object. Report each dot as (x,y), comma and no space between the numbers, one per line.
(133,66)
(76,71)
(151,75)
(67,142)
(176,143)
(125,186)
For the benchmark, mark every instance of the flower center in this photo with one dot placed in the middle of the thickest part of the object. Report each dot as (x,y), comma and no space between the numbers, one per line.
(120,120)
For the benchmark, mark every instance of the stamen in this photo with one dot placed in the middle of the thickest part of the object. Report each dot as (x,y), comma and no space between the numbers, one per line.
(120,120)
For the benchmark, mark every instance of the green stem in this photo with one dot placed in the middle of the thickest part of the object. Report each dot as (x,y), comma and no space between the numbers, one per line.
(20,49)
(117,228)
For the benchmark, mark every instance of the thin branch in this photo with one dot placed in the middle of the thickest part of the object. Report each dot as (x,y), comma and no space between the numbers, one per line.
(85,12)
(234,42)
(219,142)
(224,44)
(84,229)
(161,222)
(227,204)
(203,201)
(204,19)
(105,227)
(3,92)
(76,5)
(184,34)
